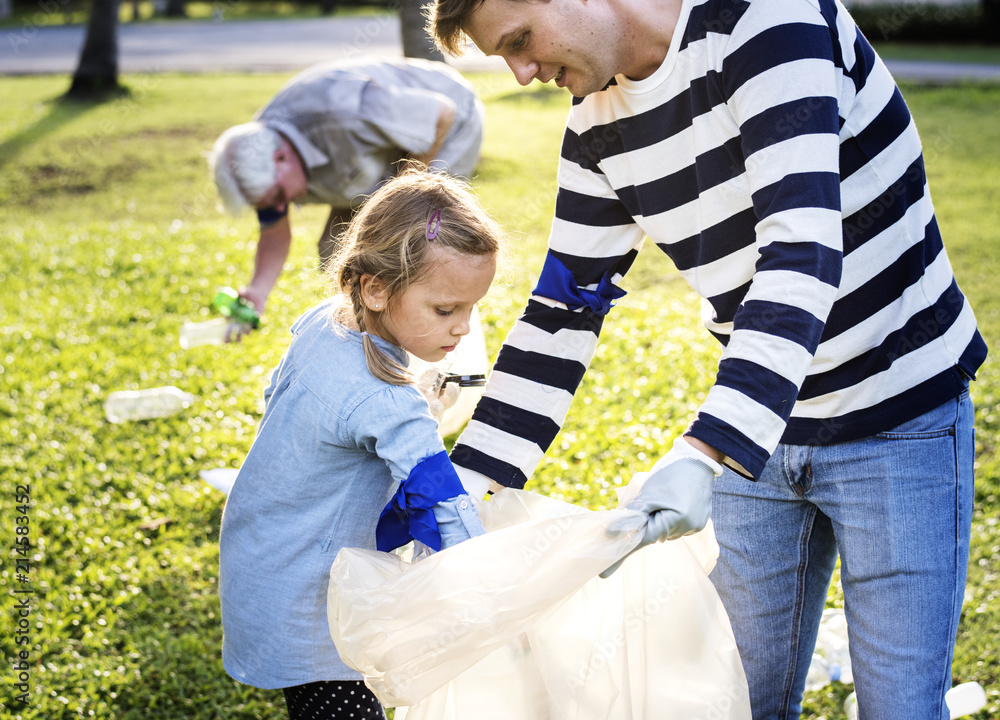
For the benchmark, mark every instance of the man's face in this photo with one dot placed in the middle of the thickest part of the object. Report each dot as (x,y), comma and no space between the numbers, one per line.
(562,40)
(290,182)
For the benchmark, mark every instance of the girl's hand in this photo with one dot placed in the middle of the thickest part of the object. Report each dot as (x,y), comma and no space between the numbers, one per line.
(255,297)
(439,396)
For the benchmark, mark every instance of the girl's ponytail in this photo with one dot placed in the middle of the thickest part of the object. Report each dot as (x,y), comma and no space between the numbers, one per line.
(379,364)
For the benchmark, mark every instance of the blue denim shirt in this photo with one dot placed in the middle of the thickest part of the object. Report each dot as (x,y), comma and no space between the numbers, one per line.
(332,447)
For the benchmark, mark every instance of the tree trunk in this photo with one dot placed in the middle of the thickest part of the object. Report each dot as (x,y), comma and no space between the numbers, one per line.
(96,74)
(416,42)
(6,8)
(175,8)
(991,21)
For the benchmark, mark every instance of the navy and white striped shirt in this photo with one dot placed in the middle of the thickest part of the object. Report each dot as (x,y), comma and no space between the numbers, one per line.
(773,158)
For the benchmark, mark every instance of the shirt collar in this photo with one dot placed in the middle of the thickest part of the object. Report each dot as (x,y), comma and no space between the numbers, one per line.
(311,155)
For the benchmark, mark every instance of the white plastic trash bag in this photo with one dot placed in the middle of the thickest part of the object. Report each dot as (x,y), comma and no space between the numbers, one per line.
(516,625)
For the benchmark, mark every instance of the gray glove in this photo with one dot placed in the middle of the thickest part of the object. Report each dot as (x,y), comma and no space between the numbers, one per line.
(676,498)
(457,520)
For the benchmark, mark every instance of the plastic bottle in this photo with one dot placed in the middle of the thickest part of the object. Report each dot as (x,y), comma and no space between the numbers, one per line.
(965,699)
(962,700)
(126,405)
(851,706)
(210,332)
(819,674)
(220,478)
(230,304)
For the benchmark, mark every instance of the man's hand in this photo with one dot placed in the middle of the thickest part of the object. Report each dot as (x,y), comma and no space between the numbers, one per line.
(677,499)
(255,296)
(677,496)
(236,331)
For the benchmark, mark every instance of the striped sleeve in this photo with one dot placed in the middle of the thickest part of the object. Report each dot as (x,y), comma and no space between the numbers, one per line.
(546,353)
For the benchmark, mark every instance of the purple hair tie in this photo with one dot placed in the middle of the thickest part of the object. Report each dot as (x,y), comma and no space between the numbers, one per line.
(435,221)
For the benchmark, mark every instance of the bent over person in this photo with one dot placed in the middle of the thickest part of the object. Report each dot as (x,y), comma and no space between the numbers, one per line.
(764,146)
(331,136)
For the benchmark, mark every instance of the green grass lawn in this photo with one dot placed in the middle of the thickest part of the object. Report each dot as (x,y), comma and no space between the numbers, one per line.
(110,240)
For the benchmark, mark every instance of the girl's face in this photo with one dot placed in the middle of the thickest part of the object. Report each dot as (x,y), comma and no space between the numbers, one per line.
(430,317)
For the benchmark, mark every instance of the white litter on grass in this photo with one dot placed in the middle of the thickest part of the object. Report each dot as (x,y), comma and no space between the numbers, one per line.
(831,660)
(220,478)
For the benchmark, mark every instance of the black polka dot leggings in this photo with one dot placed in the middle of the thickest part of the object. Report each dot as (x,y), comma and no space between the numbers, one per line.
(332,700)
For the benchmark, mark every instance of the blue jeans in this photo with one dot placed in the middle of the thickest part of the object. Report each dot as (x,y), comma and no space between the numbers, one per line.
(898,508)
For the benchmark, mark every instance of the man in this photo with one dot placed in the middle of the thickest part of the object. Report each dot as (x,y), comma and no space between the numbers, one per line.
(332,135)
(766,149)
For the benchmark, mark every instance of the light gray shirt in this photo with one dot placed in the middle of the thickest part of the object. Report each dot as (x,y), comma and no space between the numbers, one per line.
(351,120)
(332,447)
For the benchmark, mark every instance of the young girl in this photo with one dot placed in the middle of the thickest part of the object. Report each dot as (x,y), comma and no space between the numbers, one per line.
(348,453)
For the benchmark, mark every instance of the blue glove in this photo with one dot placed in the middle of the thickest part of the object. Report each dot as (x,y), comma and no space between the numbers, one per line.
(677,496)
(457,520)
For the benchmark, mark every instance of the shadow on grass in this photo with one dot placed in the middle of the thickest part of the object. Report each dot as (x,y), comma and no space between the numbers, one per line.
(61,111)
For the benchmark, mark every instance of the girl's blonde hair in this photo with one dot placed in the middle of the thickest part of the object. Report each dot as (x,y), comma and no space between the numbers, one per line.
(388,239)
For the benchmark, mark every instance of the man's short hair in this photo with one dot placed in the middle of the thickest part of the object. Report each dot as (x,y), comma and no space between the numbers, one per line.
(446,21)
(242,164)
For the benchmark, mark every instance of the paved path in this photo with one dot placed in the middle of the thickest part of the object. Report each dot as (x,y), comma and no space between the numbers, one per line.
(285,45)
(942,71)
(205,46)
